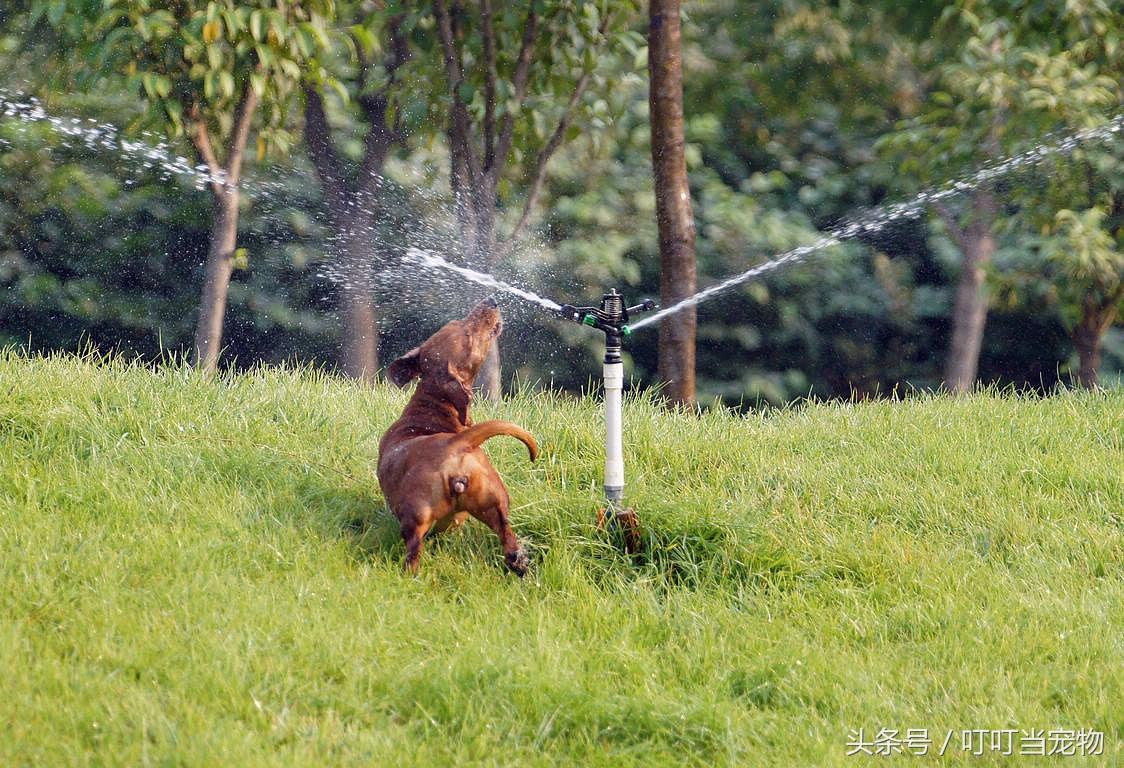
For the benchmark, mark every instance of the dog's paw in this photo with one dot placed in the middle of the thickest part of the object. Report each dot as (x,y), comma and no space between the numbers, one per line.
(518,562)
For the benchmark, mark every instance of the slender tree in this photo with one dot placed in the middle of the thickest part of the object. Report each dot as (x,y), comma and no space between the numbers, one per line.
(208,69)
(504,70)
(1087,253)
(973,233)
(1005,79)
(352,195)
(673,200)
(972,230)
(224,184)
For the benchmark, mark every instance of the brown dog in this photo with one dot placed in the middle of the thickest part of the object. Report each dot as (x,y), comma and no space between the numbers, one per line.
(431,468)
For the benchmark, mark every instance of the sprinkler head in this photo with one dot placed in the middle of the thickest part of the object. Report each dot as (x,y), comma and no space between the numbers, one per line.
(611,318)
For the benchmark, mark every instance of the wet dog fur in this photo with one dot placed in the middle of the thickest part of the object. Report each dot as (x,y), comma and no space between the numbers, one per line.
(432,470)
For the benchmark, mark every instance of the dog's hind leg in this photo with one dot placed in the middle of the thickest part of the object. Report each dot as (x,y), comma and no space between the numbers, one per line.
(495,517)
(413,528)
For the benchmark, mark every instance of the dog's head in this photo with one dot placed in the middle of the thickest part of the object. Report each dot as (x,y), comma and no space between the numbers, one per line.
(455,352)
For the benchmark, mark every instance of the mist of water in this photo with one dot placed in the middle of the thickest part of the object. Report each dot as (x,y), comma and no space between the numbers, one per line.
(406,261)
(148,152)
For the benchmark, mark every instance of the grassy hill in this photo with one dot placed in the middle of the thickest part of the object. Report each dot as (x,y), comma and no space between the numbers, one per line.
(200,572)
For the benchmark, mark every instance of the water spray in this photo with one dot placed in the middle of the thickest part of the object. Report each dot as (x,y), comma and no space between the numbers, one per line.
(611,318)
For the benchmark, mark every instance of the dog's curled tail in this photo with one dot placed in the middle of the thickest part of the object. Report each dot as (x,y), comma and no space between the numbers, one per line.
(474,436)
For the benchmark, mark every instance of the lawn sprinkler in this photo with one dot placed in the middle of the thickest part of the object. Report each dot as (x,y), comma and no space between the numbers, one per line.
(611,318)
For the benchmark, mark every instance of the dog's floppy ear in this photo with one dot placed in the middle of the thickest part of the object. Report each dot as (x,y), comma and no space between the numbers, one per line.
(406,368)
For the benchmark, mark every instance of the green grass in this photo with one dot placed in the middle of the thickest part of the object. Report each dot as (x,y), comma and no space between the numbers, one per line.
(201,572)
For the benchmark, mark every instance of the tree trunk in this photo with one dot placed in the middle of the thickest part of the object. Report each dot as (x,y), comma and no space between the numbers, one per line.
(464,202)
(474,180)
(490,378)
(359,355)
(224,223)
(359,347)
(476,221)
(216,280)
(1097,316)
(673,200)
(351,213)
(1088,344)
(969,313)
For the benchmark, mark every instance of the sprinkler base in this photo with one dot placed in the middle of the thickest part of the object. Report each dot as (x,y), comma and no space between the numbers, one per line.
(627,521)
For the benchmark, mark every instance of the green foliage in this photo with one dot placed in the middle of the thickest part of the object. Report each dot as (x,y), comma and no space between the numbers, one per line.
(780,143)
(194,60)
(1002,81)
(586,38)
(200,571)
(786,104)
(1084,251)
(91,257)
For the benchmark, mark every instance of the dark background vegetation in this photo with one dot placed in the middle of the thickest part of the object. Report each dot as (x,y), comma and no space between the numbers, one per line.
(789,106)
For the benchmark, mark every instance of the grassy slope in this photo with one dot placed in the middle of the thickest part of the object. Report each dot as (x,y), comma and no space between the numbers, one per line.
(186,577)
